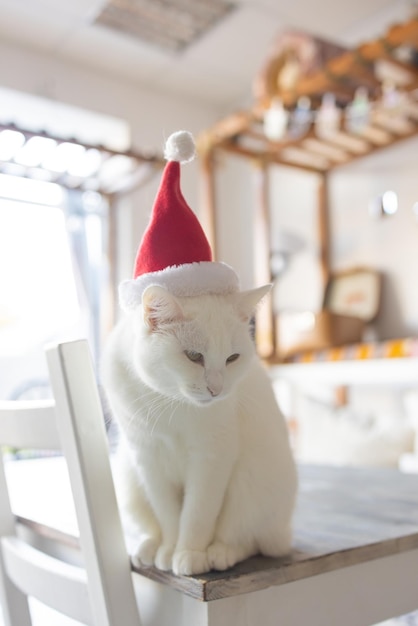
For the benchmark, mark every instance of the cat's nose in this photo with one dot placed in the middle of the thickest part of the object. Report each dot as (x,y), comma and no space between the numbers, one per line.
(214,382)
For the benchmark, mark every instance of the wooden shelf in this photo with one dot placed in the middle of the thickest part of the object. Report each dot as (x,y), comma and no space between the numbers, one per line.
(391,362)
(242,134)
(396,372)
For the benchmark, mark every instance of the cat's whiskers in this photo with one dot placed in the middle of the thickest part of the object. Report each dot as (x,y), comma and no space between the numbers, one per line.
(173,406)
(142,409)
(157,408)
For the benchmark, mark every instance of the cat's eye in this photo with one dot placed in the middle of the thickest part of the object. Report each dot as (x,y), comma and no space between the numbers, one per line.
(195,357)
(232,358)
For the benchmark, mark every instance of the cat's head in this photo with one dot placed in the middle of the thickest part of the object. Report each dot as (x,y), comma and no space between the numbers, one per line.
(194,349)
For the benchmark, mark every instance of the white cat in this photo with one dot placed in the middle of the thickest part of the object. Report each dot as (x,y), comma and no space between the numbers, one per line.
(204,469)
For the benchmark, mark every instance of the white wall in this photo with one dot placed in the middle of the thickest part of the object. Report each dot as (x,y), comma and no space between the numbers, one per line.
(152,115)
(235,199)
(389,244)
(293,198)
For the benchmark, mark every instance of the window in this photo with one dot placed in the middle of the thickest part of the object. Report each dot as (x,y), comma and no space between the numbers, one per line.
(52,278)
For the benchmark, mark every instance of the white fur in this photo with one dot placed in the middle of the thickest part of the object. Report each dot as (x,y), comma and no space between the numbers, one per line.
(204,470)
(189,279)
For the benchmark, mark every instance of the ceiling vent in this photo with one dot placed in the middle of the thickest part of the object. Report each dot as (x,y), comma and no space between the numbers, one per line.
(169,24)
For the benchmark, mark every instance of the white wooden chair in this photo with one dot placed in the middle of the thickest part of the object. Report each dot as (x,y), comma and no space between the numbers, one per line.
(101,593)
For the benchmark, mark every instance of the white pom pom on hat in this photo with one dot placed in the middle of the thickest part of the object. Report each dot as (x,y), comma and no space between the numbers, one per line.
(180,147)
(174,251)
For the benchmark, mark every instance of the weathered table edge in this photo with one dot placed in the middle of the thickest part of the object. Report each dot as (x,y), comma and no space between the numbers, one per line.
(253,574)
(260,573)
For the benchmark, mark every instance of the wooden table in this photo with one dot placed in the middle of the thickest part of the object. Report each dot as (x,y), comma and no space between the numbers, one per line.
(355,560)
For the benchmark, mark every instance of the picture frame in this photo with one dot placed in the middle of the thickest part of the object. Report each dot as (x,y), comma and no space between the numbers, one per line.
(355,292)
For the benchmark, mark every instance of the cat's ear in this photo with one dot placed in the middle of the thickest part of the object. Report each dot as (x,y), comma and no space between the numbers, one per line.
(160,307)
(246,301)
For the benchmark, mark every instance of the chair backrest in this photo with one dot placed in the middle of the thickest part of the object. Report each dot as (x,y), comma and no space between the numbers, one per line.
(102,592)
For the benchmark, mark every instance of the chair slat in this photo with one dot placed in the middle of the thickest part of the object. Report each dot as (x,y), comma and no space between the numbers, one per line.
(81,425)
(59,585)
(101,592)
(28,424)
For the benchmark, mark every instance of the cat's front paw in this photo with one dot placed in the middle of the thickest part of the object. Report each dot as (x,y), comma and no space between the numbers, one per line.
(144,554)
(188,562)
(164,557)
(222,556)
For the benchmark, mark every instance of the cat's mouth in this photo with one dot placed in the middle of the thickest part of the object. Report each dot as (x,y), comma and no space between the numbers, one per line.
(203,399)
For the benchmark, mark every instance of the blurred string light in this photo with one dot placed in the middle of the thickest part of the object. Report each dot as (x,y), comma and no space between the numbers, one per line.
(68,163)
(10,142)
(384,205)
(35,150)
(65,156)
(58,157)
(87,165)
(389,202)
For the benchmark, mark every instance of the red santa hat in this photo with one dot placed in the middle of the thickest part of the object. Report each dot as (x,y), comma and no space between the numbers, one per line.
(174,252)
